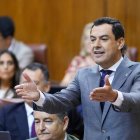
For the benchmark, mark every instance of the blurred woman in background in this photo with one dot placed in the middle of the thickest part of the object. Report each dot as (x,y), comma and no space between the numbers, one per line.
(83,59)
(9,73)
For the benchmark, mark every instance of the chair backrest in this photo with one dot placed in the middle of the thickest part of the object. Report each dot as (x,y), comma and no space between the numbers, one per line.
(40,53)
(132,53)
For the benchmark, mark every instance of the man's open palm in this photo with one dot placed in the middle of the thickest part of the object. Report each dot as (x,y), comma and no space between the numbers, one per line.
(28,90)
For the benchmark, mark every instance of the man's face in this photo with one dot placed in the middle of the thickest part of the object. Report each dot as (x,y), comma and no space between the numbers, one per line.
(105,49)
(38,77)
(49,126)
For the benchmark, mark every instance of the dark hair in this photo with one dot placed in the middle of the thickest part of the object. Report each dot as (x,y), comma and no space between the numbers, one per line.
(61,115)
(117,28)
(15,79)
(7,27)
(43,68)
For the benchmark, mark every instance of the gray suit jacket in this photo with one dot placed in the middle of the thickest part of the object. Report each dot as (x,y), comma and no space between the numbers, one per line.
(113,123)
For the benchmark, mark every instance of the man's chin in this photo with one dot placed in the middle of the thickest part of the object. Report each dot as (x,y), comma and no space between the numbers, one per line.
(44,137)
(99,61)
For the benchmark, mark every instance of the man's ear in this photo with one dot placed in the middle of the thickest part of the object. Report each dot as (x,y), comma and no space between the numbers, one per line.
(47,87)
(66,122)
(120,43)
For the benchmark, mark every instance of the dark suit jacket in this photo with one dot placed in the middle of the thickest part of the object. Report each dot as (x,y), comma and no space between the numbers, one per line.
(112,123)
(13,118)
(76,126)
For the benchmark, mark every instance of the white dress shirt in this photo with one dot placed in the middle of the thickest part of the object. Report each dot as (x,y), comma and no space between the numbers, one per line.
(30,118)
(65,136)
(12,45)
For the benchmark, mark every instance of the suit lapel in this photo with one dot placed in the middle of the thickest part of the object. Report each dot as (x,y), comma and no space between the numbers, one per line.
(22,122)
(120,77)
(93,81)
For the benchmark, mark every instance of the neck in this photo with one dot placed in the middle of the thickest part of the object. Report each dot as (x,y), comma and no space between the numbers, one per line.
(62,137)
(106,65)
(5,84)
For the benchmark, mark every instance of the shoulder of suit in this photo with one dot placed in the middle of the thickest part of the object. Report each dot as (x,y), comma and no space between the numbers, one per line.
(129,62)
(8,107)
(22,45)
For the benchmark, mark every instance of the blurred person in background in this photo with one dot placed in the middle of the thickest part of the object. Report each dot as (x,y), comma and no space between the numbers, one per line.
(84,58)
(23,53)
(9,74)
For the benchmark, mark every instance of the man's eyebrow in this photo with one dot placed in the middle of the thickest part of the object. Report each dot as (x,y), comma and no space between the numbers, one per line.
(92,36)
(104,36)
(36,118)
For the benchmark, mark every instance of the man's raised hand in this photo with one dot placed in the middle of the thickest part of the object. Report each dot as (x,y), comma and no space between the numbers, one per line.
(28,90)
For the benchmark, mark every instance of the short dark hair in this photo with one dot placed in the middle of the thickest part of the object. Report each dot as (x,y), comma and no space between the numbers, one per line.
(15,79)
(61,115)
(7,27)
(117,28)
(34,66)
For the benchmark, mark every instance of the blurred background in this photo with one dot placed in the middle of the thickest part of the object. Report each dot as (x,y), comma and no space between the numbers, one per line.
(59,25)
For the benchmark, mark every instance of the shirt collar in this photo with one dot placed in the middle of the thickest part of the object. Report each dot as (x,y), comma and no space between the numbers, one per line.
(114,67)
(65,136)
(29,109)
(12,45)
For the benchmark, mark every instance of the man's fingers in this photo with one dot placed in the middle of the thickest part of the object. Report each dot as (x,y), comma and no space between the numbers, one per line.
(98,97)
(27,97)
(107,83)
(18,90)
(19,87)
(24,95)
(26,76)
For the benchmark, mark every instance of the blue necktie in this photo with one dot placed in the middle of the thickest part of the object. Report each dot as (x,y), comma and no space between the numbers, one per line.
(102,82)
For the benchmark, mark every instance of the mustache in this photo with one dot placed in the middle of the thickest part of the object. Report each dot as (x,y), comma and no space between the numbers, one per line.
(43,133)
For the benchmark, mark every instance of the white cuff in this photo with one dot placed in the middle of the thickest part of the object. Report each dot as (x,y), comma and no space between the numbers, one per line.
(41,99)
(119,99)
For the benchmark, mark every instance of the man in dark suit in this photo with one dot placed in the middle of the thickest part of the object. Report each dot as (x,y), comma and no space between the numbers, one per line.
(17,118)
(109,91)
